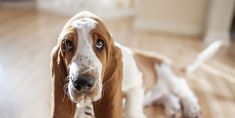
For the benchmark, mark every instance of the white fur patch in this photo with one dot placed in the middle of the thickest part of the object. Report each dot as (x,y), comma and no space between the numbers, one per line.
(85,59)
(131,85)
(131,74)
(174,83)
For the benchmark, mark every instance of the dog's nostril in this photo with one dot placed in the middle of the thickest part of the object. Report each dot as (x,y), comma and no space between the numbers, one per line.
(90,82)
(85,83)
(77,86)
(89,85)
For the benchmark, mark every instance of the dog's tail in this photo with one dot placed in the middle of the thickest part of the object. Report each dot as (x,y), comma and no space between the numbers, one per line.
(206,54)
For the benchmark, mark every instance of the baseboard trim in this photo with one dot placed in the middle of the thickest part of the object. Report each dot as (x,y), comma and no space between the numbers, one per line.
(212,36)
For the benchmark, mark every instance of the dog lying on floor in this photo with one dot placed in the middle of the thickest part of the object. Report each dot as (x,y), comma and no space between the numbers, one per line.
(90,70)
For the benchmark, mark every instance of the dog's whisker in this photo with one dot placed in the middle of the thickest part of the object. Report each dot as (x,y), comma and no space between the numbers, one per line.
(65,88)
(102,88)
(97,86)
(68,78)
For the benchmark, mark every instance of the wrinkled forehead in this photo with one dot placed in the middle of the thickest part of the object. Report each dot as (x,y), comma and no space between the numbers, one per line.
(85,21)
(84,24)
(78,25)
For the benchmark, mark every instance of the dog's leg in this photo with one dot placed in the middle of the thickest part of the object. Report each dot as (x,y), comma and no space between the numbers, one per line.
(162,95)
(180,88)
(188,99)
(134,103)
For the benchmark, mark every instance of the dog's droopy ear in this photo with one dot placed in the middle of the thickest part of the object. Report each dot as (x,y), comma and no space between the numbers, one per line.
(110,105)
(61,105)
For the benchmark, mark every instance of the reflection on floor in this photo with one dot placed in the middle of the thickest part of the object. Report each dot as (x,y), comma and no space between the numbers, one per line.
(27,37)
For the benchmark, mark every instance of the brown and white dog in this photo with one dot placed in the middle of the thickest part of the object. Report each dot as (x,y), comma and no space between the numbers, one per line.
(88,67)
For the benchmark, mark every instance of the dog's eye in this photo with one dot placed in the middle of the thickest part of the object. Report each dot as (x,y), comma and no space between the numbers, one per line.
(99,43)
(68,45)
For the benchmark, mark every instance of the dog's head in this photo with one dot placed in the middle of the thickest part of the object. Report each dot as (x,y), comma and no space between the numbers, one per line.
(84,48)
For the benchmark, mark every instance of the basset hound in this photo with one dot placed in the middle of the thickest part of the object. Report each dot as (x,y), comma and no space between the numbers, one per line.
(90,70)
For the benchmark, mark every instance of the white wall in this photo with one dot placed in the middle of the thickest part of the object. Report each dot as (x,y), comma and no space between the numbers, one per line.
(102,8)
(219,20)
(185,17)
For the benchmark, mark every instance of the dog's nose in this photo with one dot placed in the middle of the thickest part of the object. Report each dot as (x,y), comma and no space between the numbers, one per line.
(84,83)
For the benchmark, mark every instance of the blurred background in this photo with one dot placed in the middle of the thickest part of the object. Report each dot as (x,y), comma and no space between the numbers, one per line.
(179,29)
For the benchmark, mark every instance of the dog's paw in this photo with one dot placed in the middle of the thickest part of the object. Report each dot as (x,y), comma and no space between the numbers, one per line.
(191,108)
(172,107)
(173,112)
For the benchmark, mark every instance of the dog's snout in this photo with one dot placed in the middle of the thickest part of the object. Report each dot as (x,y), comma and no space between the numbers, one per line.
(84,83)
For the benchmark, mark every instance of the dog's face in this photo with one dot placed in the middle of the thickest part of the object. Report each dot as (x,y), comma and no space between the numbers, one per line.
(85,45)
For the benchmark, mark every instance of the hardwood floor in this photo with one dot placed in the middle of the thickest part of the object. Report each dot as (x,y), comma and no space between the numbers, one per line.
(27,37)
